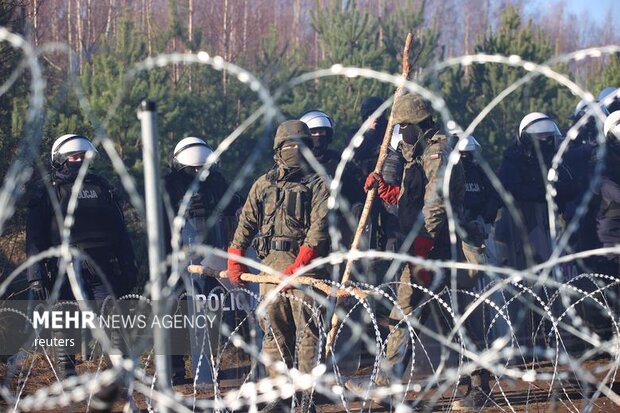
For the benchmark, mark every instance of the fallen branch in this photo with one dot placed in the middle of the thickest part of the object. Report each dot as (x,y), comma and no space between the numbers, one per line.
(274,279)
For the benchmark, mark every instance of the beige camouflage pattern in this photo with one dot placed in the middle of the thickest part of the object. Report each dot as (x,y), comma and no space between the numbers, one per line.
(265,213)
(433,161)
(287,209)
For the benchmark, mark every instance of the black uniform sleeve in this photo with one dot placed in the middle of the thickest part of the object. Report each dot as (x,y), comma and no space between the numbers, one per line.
(124,251)
(38,227)
(494,202)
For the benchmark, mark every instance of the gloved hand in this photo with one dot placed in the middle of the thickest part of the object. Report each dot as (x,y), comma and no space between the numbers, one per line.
(388,193)
(304,256)
(234,268)
(476,232)
(372,181)
(38,290)
(422,247)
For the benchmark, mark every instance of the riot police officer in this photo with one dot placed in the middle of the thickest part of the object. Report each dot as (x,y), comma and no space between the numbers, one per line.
(286,210)
(185,161)
(322,134)
(107,264)
(523,173)
(608,219)
(205,222)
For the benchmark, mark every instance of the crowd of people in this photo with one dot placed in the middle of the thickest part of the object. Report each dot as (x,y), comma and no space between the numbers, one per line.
(285,219)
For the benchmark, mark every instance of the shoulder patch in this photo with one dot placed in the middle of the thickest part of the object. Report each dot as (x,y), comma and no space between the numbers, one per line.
(435,156)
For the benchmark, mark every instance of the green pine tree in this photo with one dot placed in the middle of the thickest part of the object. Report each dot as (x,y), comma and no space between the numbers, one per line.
(468,95)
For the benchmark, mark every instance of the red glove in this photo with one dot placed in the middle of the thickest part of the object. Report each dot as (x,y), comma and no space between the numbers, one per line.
(372,180)
(422,247)
(389,193)
(234,267)
(304,256)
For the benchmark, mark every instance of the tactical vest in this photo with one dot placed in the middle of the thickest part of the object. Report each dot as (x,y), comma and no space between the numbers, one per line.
(476,194)
(95,215)
(393,168)
(610,209)
(285,215)
(202,206)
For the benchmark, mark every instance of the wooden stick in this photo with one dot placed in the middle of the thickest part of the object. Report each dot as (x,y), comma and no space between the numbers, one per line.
(274,279)
(370,197)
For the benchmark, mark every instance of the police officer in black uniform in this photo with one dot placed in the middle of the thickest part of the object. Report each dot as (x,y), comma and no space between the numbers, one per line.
(187,159)
(205,221)
(107,266)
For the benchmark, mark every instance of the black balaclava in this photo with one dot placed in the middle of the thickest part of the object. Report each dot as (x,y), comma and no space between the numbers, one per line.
(69,171)
(321,143)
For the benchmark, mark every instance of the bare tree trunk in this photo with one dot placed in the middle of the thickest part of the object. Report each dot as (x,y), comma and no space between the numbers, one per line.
(54,25)
(149,26)
(109,22)
(35,21)
(225,46)
(245,26)
(316,49)
(80,34)
(175,66)
(92,37)
(380,14)
(190,37)
(143,16)
(297,21)
(69,28)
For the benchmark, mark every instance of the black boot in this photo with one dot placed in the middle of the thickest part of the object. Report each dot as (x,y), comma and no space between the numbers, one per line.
(479,394)
(65,362)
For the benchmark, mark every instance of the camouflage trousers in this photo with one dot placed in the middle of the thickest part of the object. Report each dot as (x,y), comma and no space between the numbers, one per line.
(416,304)
(291,330)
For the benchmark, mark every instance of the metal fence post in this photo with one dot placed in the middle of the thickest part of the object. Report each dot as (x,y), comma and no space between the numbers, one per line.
(154,225)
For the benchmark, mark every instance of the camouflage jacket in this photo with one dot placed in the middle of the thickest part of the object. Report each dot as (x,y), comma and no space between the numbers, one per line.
(284,206)
(421,187)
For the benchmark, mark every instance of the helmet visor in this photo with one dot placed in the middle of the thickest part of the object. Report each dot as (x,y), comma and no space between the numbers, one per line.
(543,130)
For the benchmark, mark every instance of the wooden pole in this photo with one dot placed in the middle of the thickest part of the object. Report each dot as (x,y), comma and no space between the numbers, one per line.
(370,197)
(274,279)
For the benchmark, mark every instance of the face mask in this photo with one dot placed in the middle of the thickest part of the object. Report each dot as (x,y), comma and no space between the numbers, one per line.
(70,170)
(319,146)
(290,158)
(467,156)
(411,133)
(191,170)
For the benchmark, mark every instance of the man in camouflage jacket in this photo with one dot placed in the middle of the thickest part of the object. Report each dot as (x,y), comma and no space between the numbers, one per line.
(286,216)
(421,209)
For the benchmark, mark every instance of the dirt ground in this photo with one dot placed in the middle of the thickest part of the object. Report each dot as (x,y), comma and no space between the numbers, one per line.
(518,396)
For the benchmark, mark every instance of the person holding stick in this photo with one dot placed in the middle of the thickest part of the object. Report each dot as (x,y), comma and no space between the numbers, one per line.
(418,198)
(287,211)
